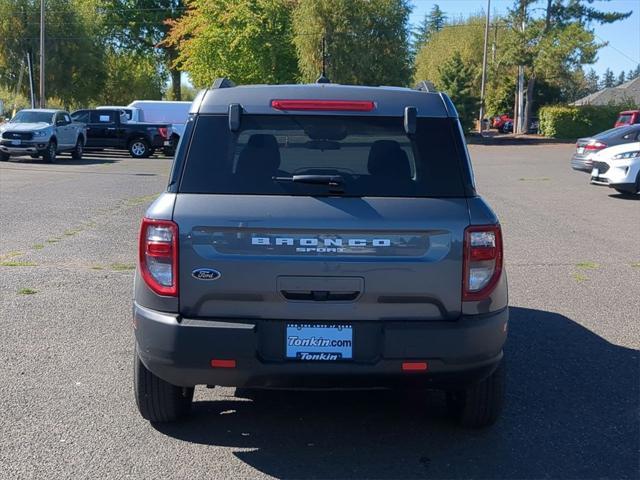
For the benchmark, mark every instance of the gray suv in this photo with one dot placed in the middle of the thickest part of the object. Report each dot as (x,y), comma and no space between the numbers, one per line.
(321,236)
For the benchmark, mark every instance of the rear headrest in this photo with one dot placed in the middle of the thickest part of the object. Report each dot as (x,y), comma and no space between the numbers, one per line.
(261,156)
(386,158)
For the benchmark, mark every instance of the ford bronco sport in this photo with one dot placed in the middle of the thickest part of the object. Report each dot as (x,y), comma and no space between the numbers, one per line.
(321,236)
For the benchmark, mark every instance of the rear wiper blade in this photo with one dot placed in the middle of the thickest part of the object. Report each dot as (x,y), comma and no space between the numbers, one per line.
(336,182)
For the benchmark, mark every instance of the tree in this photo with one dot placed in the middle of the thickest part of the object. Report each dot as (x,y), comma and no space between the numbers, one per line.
(456,79)
(434,21)
(130,76)
(621,78)
(464,38)
(74,53)
(556,44)
(592,82)
(142,26)
(608,79)
(249,41)
(367,40)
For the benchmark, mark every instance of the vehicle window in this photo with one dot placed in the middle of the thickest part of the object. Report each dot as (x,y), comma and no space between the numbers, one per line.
(624,118)
(102,116)
(128,113)
(25,116)
(373,155)
(81,116)
(66,118)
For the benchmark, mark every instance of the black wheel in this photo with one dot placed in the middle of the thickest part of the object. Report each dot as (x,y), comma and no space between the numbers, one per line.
(50,153)
(76,153)
(157,400)
(479,405)
(4,157)
(139,148)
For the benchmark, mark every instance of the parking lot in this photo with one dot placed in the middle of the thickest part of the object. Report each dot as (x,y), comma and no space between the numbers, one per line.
(67,254)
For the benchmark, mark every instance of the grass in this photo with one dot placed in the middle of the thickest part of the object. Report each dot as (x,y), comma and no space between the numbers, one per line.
(37,246)
(534,179)
(15,263)
(70,233)
(122,267)
(130,202)
(10,255)
(52,240)
(579,277)
(587,265)
(27,291)
(97,267)
(636,264)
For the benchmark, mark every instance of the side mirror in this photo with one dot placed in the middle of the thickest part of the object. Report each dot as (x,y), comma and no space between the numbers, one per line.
(410,116)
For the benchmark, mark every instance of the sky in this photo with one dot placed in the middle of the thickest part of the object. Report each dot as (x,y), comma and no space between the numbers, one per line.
(622,52)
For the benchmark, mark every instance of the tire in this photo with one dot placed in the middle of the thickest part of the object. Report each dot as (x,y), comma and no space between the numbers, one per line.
(480,404)
(159,401)
(139,148)
(50,153)
(4,157)
(76,153)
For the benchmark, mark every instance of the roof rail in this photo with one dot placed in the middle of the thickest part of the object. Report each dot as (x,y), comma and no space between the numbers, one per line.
(222,82)
(426,86)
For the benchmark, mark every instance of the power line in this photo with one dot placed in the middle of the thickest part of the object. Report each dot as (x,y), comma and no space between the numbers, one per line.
(635,61)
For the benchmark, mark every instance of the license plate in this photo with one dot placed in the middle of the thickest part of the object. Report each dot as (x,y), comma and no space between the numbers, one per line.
(319,342)
(595,173)
(15,142)
(580,150)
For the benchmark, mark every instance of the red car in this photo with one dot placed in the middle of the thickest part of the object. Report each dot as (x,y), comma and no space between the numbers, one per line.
(628,118)
(498,122)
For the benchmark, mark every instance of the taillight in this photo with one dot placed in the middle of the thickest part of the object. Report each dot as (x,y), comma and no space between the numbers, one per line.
(482,264)
(164,132)
(324,105)
(158,256)
(595,146)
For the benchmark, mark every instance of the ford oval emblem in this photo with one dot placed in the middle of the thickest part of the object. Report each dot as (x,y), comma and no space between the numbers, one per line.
(206,274)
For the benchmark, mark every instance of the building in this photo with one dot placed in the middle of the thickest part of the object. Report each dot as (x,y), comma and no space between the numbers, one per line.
(625,94)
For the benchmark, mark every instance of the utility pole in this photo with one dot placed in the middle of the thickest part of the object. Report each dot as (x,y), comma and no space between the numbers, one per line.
(484,66)
(518,118)
(32,95)
(42,94)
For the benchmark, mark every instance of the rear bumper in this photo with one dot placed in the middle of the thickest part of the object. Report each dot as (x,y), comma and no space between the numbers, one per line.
(458,353)
(583,164)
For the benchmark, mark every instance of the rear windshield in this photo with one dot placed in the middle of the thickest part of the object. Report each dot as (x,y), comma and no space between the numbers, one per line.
(372,156)
(626,118)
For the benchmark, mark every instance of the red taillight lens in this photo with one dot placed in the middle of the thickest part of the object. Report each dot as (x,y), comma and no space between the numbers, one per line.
(164,132)
(595,146)
(324,105)
(482,264)
(158,256)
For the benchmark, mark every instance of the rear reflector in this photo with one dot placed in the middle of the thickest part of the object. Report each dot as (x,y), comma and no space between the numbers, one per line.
(324,105)
(414,366)
(217,363)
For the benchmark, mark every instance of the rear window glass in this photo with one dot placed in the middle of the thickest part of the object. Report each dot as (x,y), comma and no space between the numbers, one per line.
(624,118)
(372,156)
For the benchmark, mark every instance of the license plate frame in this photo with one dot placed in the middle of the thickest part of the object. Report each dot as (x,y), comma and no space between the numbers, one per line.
(307,342)
(580,150)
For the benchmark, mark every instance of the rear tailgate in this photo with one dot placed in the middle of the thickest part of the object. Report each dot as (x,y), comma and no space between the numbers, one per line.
(321,258)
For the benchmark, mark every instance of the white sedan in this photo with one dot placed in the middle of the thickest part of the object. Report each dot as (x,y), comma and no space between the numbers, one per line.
(618,167)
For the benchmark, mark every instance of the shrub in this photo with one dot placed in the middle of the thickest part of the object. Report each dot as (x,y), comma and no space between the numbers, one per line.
(571,122)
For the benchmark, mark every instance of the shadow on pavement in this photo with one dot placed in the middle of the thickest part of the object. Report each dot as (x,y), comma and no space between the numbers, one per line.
(571,413)
(624,196)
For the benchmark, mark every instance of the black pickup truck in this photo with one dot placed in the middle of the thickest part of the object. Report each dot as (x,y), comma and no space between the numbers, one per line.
(109,129)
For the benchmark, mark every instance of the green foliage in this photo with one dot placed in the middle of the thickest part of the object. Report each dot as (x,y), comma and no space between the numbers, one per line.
(456,79)
(572,122)
(249,41)
(130,76)
(74,53)
(464,38)
(434,21)
(609,79)
(367,40)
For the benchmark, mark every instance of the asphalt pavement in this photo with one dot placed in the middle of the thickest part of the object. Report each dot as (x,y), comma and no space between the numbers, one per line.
(67,253)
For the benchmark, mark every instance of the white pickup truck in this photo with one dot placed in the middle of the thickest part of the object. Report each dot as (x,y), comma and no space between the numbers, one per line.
(159,111)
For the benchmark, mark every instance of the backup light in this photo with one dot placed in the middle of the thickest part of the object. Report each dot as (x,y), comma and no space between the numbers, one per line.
(324,105)
(482,264)
(158,256)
